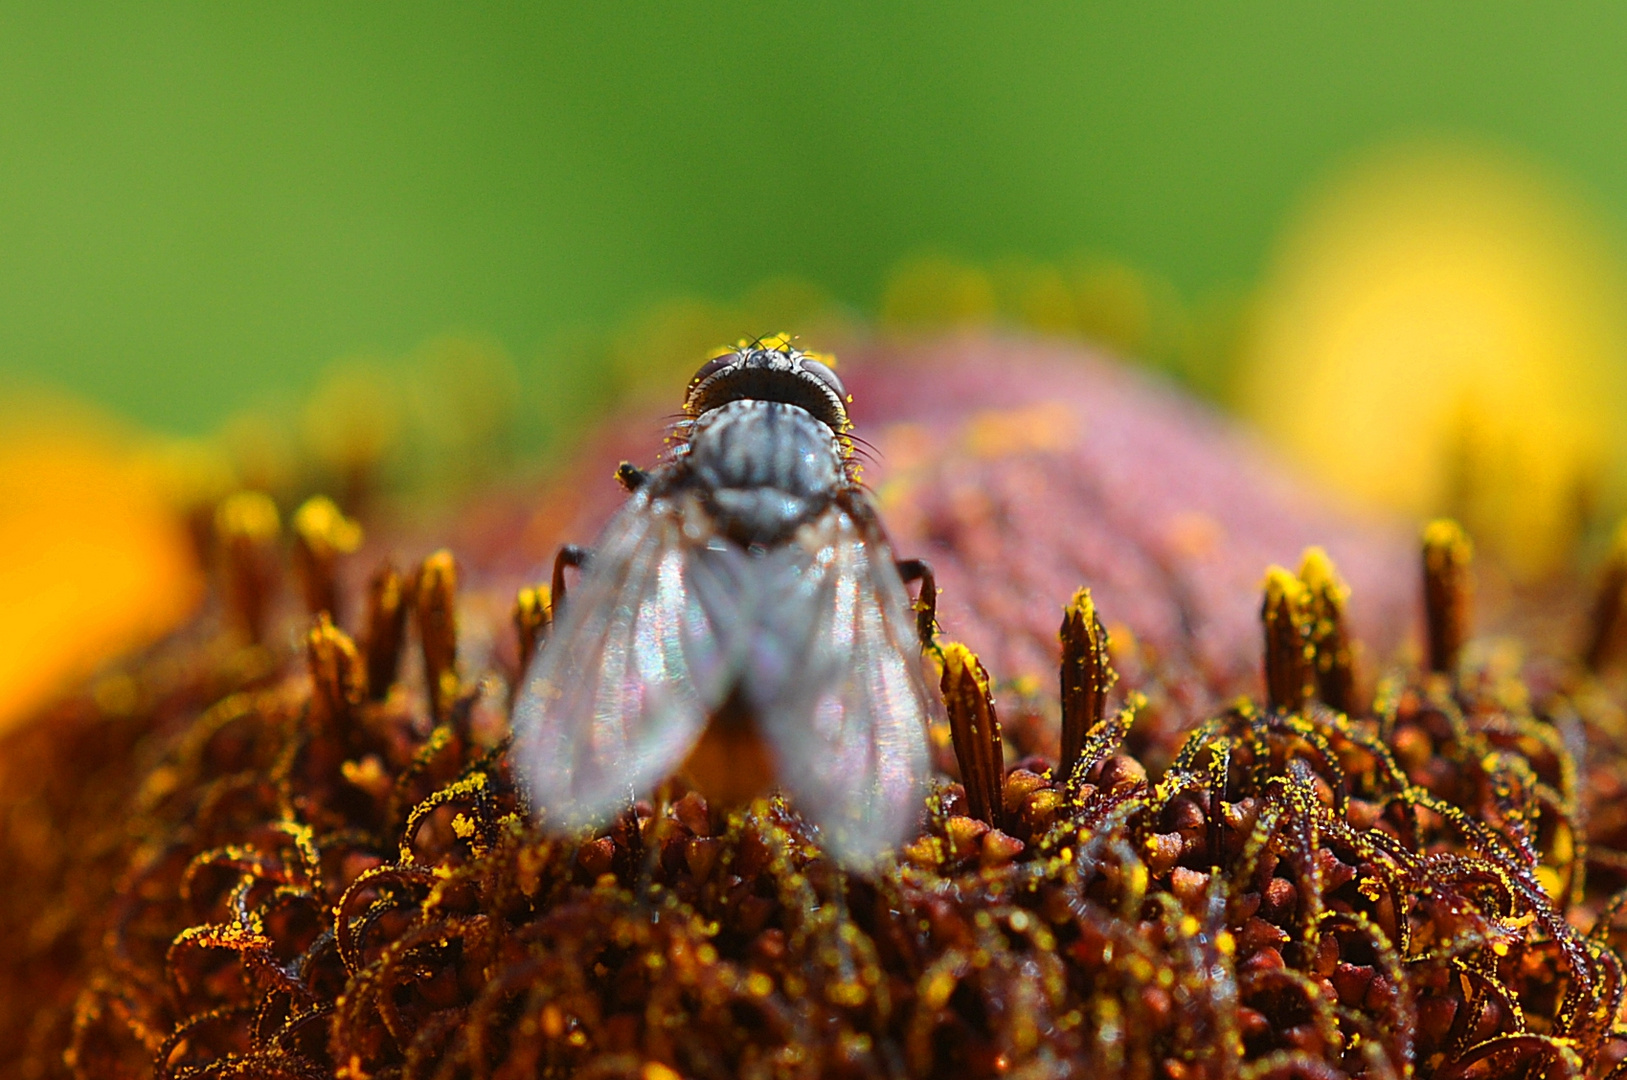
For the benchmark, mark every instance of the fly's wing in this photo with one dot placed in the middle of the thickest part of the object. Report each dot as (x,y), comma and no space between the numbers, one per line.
(620,691)
(848,721)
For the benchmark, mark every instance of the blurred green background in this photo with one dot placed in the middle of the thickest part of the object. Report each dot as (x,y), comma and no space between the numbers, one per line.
(397,252)
(203,205)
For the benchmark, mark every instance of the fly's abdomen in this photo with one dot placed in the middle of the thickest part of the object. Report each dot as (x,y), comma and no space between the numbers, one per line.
(764,467)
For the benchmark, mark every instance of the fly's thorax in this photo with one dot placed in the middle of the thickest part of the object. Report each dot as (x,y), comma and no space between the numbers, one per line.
(764,467)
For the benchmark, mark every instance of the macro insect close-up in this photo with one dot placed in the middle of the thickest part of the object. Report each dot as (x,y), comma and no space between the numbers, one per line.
(1184,638)
(743,616)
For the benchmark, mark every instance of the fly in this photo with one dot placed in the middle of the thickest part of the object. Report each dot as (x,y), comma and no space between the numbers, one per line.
(741,621)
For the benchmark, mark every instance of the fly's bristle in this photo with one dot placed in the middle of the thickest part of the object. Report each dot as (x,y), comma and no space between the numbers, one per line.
(322,534)
(1087,675)
(532,616)
(435,595)
(247,527)
(1604,627)
(386,628)
(975,730)
(1289,656)
(1448,592)
(1326,596)
(338,676)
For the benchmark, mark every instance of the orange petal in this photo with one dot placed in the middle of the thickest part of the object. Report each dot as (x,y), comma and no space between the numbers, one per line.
(95,560)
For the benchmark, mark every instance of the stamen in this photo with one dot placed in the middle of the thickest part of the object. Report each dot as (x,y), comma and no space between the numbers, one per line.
(247,526)
(435,591)
(322,533)
(1087,675)
(1448,592)
(532,616)
(338,677)
(975,729)
(386,628)
(1290,676)
(1326,596)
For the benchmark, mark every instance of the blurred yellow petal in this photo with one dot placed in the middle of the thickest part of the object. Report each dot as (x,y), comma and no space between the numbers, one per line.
(935,291)
(95,560)
(1120,307)
(353,421)
(1441,336)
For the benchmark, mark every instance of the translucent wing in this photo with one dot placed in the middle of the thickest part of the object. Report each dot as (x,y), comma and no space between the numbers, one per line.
(848,717)
(621,690)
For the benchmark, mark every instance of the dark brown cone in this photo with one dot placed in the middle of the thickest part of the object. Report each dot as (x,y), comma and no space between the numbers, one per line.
(247,526)
(322,533)
(531,619)
(975,730)
(1087,675)
(386,629)
(1326,596)
(200,888)
(1448,591)
(435,593)
(1289,668)
(338,678)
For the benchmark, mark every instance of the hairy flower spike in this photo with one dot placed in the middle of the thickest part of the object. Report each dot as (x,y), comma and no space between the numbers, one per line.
(1290,670)
(1604,628)
(386,628)
(1448,590)
(338,677)
(1326,596)
(435,591)
(1087,675)
(532,615)
(247,526)
(975,729)
(322,533)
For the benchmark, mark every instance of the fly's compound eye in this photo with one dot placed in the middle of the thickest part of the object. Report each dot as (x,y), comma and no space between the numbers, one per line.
(825,375)
(713,366)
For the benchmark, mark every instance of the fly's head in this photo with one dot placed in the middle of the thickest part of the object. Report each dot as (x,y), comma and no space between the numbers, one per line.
(770,370)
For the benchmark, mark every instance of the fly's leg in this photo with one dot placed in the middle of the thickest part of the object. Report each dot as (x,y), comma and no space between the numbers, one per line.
(569,555)
(926,608)
(630,476)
